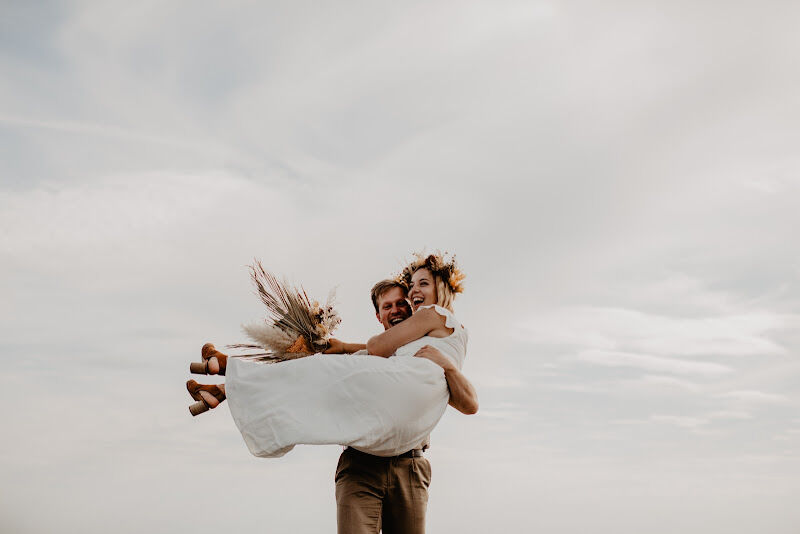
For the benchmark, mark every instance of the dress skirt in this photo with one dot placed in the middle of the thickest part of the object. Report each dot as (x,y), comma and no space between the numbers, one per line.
(381,406)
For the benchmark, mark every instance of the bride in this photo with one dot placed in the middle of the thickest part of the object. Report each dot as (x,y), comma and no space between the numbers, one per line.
(383,400)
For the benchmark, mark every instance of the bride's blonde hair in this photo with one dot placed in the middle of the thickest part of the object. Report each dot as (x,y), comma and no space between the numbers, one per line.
(446,275)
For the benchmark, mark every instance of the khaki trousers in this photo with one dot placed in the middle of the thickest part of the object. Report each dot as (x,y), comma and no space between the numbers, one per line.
(373,492)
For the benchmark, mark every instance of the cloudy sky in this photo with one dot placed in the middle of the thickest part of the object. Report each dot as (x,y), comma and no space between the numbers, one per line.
(619,181)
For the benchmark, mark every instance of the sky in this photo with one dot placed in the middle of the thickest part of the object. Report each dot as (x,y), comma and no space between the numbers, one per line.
(619,181)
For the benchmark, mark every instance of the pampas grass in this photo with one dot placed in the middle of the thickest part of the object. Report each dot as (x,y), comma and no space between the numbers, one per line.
(295,326)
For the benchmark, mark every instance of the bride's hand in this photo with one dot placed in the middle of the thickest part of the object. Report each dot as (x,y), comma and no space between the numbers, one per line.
(436,356)
(334,347)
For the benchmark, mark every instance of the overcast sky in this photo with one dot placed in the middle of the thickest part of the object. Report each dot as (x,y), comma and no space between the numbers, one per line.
(619,181)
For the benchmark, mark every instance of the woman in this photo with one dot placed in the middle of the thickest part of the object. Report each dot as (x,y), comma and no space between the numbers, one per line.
(379,405)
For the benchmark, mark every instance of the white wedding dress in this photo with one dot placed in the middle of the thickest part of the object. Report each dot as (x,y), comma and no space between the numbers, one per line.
(381,406)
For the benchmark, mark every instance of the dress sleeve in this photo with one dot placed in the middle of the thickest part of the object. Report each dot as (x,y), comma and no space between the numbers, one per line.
(450,319)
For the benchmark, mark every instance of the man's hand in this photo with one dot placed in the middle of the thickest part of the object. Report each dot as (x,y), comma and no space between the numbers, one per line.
(462,394)
(340,347)
(436,356)
(334,347)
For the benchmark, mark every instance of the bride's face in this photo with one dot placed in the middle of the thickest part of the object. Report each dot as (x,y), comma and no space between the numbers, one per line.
(423,289)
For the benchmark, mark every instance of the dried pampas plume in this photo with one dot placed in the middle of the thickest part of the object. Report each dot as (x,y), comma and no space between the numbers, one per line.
(295,326)
(267,335)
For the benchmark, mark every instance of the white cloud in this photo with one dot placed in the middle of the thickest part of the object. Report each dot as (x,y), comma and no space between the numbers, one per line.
(730,414)
(652,363)
(680,420)
(498,381)
(508,415)
(754,396)
(117,208)
(667,381)
(623,329)
(576,388)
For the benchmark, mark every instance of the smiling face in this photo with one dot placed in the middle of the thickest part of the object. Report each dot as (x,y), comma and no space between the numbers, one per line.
(422,291)
(393,307)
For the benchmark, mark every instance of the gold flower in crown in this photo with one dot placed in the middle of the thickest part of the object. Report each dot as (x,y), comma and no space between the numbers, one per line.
(441,265)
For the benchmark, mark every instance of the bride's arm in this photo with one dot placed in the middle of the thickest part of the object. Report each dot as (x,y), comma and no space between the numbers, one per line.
(420,324)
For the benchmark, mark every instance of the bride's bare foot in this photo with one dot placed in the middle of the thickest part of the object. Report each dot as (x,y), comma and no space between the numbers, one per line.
(207,396)
(214,362)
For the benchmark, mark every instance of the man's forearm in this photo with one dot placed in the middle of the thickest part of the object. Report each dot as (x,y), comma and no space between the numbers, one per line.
(350,348)
(336,346)
(463,396)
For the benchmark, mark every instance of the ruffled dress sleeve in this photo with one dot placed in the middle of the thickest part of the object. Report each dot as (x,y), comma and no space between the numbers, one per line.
(450,319)
(454,345)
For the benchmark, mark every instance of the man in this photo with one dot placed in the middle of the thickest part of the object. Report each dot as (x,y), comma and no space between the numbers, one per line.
(374,492)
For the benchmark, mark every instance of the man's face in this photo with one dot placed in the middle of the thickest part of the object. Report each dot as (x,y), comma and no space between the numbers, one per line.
(393,307)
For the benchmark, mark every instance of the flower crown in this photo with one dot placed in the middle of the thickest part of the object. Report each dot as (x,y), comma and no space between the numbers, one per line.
(441,266)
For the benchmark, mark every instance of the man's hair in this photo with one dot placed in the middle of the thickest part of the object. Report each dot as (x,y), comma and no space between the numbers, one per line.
(382,287)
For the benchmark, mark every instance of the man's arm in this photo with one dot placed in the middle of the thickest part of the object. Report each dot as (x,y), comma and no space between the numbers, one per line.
(463,396)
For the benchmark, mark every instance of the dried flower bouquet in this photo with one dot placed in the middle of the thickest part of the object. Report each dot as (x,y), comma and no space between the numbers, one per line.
(295,326)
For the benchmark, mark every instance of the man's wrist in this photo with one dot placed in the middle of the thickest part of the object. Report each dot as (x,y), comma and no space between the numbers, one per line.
(449,367)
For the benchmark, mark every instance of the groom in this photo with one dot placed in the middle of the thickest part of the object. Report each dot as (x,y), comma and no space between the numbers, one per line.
(374,492)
